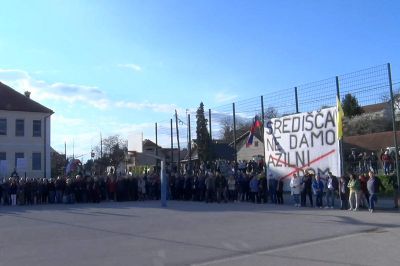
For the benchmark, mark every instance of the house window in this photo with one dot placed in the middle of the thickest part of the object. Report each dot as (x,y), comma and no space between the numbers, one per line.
(37,128)
(3,156)
(36,161)
(256,143)
(19,127)
(3,126)
(18,155)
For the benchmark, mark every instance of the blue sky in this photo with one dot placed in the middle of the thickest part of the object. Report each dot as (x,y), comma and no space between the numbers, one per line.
(120,66)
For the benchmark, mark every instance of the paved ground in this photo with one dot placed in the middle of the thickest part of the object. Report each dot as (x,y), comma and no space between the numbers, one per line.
(190,233)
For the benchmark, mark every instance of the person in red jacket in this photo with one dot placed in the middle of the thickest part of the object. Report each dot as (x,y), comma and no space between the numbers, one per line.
(386,160)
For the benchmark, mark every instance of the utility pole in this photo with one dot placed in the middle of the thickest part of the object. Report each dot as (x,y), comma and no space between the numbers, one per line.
(177,140)
(234,134)
(172,147)
(101,146)
(189,144)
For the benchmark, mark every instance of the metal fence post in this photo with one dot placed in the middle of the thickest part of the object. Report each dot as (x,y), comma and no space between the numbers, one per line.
(394,124)
(189,143)
(172,146)
(263,139)
(156,131)
(296,98)
(209,123)
(177,141)
(234,133)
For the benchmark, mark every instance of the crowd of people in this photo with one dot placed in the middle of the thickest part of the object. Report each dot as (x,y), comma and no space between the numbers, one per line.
(78,189)
(212,184)
(364,161)
(219,181)
(353,191)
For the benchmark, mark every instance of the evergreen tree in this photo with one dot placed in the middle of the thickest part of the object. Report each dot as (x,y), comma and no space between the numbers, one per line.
(203,136)
(350,106)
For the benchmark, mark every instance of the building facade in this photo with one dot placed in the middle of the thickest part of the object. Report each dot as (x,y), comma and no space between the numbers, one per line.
(252,152)
(24,135)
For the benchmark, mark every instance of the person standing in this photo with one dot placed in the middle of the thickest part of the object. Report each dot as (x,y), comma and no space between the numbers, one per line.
(210,187)
(364,194)
(13,191)
(232,188)
(295,185)
(262,188)
(396,195)
(373,189)
(279,191)
(386,160)
(273,185)
(373,159)
(254,189)
(332,187)
(307,190)
(344,193)
(318,188)
(354,196)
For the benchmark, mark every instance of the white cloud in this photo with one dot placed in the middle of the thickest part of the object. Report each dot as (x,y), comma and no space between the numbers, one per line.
(41,90)
(75,93)
(161,108)
(133,67)
(224,96)
(13,74)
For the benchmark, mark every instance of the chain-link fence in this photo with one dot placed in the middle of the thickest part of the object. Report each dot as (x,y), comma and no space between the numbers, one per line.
(230,124)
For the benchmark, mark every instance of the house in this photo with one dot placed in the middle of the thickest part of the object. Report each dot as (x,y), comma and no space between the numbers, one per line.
(152,154)
(254,151)
(147,157)
(220,150)
(24,135)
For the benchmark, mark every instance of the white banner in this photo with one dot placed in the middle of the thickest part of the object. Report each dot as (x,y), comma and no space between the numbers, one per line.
(302,141)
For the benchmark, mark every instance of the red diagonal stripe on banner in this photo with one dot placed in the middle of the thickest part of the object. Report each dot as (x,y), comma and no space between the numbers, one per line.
(285,163)
(310,163)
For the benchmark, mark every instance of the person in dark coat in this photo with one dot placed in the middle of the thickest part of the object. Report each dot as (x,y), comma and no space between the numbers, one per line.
(273,187)
(307,190)
(13,191)
(344,193)
(279,191)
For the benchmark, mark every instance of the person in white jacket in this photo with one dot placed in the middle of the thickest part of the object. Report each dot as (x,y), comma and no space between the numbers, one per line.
(295,185)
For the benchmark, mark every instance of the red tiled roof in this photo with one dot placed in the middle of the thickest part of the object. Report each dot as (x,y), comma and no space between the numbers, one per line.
(11,100)
(371,142)
(373,108)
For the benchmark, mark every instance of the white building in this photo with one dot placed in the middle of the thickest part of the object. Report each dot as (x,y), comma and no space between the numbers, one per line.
(24,135)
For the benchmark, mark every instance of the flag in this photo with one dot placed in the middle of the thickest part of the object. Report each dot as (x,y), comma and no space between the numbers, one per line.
(340,115)
(256,124)
(251,136)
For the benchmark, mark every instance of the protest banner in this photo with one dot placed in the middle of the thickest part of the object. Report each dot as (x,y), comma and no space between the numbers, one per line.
(302,141)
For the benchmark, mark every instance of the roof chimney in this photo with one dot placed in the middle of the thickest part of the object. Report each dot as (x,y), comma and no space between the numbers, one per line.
(27,94)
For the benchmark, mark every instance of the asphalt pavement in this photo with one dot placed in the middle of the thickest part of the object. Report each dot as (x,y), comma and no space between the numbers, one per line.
(196,233)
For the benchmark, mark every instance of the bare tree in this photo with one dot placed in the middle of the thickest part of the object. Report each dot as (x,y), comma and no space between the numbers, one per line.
(270,112)
(242,126)
(114,151)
